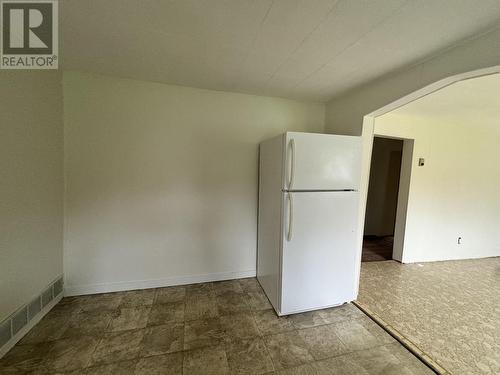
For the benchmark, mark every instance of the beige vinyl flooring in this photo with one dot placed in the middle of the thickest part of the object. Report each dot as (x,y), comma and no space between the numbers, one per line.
(211,328)
(450,310)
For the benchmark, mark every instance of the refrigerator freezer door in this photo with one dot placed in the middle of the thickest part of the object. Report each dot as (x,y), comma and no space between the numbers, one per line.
(321,162)
(319,250)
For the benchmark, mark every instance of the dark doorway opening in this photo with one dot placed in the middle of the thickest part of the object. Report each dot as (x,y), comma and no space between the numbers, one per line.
(382,202)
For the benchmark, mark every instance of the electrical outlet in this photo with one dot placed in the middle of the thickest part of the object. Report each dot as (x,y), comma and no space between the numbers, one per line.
(459,241)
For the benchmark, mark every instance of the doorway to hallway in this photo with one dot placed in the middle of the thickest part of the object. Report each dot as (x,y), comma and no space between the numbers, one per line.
(382,202)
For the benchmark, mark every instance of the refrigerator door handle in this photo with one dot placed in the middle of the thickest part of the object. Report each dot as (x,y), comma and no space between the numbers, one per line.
(292,164)
(290,218)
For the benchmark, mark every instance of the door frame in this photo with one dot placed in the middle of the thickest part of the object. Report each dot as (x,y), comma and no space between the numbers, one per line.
(368,133)
(402,195)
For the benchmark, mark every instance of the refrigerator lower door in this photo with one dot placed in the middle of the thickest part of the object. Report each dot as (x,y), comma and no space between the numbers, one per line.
(319,250)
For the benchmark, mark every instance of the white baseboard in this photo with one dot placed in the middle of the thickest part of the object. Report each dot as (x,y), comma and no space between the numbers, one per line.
(448,258)
(76,290)
(33,322)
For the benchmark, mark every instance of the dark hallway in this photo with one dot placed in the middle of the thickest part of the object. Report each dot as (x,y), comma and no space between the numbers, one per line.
(382,199)
(377,248)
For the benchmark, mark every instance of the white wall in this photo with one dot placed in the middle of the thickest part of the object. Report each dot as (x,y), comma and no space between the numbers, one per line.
(456,193)
(161,181)
(344,114)
(383,188)
(31,185)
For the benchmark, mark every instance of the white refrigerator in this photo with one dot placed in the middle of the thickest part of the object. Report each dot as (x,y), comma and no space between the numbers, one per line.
(308,216)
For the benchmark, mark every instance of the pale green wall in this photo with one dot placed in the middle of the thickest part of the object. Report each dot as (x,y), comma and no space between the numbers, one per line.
(31,185)
(455,194)
(161,181)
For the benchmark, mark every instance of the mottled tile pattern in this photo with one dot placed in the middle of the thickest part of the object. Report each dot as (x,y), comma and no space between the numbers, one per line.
(206,361)
(51,328)
(288,349)
(169,295)
(118,346)
(268,322)
(448,310)
(168,364)
(200,308)
(162,313)
(163,339)
(71,353)
(322,341)
(25,358)
(249,356)
(92,323)
(239,326)
(136,298)
(130,318)
(223,327)
(203,332)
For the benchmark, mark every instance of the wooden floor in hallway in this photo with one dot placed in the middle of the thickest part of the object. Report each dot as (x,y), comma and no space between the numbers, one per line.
(377,249)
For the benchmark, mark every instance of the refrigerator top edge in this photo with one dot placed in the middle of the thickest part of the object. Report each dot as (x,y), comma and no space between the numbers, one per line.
(324,134)
(319,190)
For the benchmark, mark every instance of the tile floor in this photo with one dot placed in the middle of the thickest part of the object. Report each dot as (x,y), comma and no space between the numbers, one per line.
(449,310)
(212,328)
